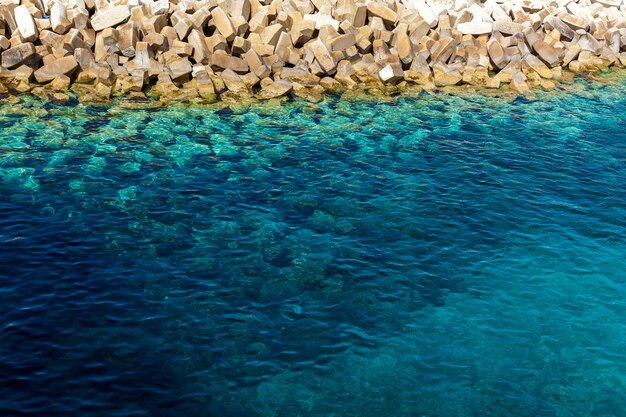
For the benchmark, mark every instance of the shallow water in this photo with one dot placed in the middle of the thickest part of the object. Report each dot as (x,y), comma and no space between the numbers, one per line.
(425,256)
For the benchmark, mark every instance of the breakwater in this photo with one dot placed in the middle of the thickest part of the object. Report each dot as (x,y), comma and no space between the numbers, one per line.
(234,49)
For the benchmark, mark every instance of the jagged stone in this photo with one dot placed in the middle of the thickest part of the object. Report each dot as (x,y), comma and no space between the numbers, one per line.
(391,73)
(537,65)
(380,10)
(62,66)
(110,17)
(475,28)
(547,53)
(25,23)
(18,55)
(276,89)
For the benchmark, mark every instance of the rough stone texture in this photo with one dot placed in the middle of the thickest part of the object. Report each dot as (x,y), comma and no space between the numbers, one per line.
(475,28)
(275,89)
(18,55)
(270,48)
(110,17)
(25,24)
(63,66)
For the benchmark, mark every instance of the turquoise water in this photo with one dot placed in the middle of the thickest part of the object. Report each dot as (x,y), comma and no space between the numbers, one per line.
(422,256)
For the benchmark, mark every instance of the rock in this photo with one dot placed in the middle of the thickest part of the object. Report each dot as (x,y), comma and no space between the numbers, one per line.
(391,73)
(518,83)
(300,75)
(62,66)
(405,48)
(547,53)
(443,50)
(59,22)
(574,22)
(18,55)
(496,53)
(475,28)
(322,20)
(275,89)
(179,68)
(110,17)
(443,75)
(61,83)
(342,42)
(565,31)
(234,83)
(25,24)
(425,12)
(223,24)
(538,66)
(323,56)
(380,10)
(507,27)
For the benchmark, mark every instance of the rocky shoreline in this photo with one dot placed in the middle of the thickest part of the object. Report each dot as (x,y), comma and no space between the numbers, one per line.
(262,49)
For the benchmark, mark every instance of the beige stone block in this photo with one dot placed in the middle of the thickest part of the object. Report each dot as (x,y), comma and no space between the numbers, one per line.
(182,49)
(234,82)
(547,53)
(497,53)
(507,27)
(270,34)
(223,23)
(256,65)
(63,66)
(17,55)
(25,23)
(59,21)
(442,50)
(110,17)
(323,56)
(276,89)
(538,66)
(391,73)
(240,46)
(179,68)
(342,42)
(380,10)
(215,42)
(302,32)
(444,75)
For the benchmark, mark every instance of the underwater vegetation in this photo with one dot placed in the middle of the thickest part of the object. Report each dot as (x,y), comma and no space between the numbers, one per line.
(431,255)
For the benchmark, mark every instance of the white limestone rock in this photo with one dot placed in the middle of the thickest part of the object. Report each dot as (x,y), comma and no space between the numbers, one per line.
(25,24)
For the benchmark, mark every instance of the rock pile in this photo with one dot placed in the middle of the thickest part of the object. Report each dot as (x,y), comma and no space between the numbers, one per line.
(269,48)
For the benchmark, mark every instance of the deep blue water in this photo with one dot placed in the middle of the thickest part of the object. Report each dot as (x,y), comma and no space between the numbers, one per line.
(422,256)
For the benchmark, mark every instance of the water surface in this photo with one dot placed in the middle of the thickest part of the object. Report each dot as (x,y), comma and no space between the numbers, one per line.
(423,256)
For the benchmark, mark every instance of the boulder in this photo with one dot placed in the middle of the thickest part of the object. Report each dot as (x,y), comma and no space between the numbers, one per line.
(179,67)
(391,73)
(426,13)
(475,28)
(323,56)
(25,24)
(538,66)
(110,17)
(223,24)
(380,10)
(62,66)
(322,20)
(59,22)
(547,53)
(234,83)
(496,53)
(444,75)
(275,89)
(18,55)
